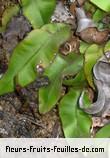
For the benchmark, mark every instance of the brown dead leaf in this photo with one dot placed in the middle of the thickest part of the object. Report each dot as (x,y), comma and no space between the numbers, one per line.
(92,35)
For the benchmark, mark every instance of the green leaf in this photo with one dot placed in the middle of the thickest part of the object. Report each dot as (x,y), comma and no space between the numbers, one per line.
(97,18)
(104,132)
(75,64)
(38,47)
(38,12)
(98,15)
(107,47)
(83,46)
(75,122)
(7,15)
(48,96)
(104,5)
(89,7)
(78,81)
(92,54)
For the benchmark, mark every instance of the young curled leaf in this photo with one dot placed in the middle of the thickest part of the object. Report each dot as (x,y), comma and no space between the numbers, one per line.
(101,72)
(98,105)
(75,122)
(39,47)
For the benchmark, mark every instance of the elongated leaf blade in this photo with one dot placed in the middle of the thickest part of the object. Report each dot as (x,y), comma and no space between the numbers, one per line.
(48,96)
(38,11)
(92,54)
(38,47)
(74,121)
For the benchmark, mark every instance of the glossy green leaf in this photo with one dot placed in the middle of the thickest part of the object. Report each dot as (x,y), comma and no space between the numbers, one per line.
(38,47)
(75,122)
(78,81)
(38,12)
(104,132)
(7,15)
(92,54)
(50,95)
(104,5)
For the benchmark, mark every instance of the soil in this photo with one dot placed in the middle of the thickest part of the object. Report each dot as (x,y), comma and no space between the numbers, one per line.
(19,116)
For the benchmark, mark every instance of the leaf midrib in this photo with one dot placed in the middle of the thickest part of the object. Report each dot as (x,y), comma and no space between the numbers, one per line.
(39,49)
